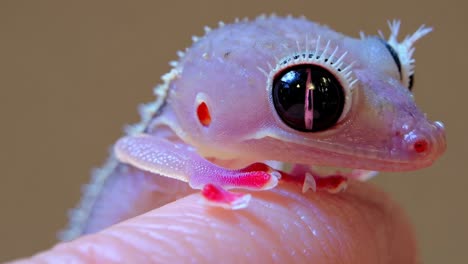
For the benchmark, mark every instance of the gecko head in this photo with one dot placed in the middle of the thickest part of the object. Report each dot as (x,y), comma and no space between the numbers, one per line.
(305,94)
(357,110)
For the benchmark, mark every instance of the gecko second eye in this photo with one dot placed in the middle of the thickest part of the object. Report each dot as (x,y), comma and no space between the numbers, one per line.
(397,60)
(308,97)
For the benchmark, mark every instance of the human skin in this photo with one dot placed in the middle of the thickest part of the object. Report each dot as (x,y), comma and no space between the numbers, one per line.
(359,225)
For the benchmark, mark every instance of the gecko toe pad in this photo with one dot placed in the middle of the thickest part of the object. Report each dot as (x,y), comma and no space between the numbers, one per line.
(332,184)
(217,196)
(258,176)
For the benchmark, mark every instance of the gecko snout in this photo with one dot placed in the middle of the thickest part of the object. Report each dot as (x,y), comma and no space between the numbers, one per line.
(440,136)
(427,141)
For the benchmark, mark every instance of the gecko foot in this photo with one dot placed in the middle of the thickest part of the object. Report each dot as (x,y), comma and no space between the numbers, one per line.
(256,176)
(217,196)
(332,183)
(314,180)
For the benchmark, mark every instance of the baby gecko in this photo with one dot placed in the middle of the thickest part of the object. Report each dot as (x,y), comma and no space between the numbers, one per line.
(248,98)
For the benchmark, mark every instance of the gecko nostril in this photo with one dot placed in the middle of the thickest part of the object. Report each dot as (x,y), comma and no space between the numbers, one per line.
(418,143)
(421,145)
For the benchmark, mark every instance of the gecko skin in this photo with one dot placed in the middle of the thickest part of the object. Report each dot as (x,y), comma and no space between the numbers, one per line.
(269,91)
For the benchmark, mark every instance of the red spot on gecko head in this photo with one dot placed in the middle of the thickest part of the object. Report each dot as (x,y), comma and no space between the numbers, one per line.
(203,114)
(421,146)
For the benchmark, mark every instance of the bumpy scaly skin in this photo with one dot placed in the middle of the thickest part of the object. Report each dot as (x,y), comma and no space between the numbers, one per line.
(230,71)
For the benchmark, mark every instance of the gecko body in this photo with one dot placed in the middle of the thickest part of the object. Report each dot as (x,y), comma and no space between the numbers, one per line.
(250,96)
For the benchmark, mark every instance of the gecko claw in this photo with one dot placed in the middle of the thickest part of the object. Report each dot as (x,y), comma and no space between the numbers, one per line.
(217,196)
(309,183)
(311,179)
(339,188)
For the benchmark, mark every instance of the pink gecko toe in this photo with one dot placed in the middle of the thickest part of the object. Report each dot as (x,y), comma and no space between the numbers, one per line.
(332,184)
(217,196)
(313,180)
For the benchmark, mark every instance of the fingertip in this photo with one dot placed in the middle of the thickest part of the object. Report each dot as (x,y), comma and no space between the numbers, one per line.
(360,225)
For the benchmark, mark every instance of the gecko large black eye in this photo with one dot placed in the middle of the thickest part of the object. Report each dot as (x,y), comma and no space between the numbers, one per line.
(308,97)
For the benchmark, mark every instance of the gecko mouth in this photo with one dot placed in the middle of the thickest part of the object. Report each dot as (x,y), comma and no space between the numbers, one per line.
(414,152)
(415,149)
(365,160)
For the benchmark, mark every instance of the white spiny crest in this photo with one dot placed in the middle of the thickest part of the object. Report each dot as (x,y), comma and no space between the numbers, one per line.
(405,48)
(180,54)
(195,39)
(274,15)
(261,17)
(91,192)
(169,76)
(79,215)
(239,20)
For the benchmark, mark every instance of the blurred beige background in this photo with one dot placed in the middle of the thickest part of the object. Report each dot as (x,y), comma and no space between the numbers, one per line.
(73,72)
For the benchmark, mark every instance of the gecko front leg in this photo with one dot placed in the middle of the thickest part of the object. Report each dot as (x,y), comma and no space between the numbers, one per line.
(312,179)
(179,161)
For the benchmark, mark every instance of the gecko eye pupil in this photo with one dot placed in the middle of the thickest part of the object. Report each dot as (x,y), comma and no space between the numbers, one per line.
(308,97)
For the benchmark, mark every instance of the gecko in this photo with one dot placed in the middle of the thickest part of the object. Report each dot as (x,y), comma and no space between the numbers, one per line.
(257,102)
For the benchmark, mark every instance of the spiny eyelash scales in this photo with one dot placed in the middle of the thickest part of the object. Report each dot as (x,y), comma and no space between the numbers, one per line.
(325,57)
(404,49)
